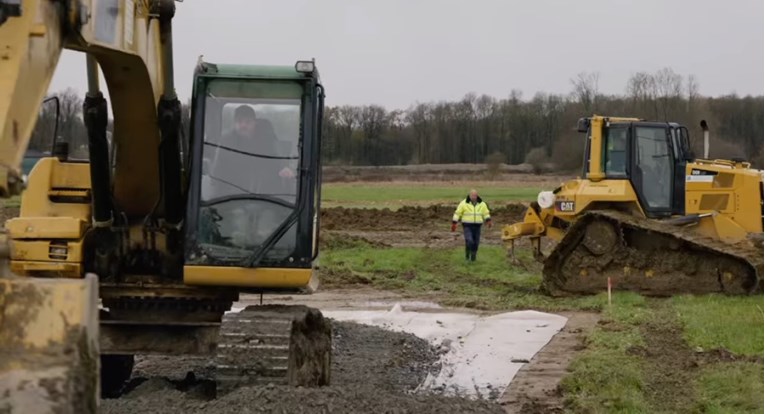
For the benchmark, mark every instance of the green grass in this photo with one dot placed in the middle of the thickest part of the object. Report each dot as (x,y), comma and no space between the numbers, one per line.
(490,283)
(605,378)
(608,377)
(611,374)
(731,388)
(392,196)
(13,202)
(715,321)
(734,324)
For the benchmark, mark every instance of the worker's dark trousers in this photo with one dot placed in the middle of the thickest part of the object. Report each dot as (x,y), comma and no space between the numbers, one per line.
(472,238)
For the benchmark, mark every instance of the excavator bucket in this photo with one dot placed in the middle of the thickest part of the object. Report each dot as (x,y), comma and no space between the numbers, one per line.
(48,345)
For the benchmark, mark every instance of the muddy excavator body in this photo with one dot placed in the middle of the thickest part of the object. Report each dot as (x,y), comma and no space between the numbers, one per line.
(169,227)
(649,216)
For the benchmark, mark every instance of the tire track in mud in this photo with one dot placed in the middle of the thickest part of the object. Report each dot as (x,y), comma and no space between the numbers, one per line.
(670,365)
(535,388)
(669,362)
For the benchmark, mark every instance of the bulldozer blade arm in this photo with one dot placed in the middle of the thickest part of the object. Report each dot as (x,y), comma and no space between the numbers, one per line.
(49,345)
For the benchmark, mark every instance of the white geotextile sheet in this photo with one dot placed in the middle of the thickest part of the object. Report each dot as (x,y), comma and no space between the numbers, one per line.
(482,353)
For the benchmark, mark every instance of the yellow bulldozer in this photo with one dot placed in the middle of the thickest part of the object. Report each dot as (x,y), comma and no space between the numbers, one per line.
(648,216)
(143,247)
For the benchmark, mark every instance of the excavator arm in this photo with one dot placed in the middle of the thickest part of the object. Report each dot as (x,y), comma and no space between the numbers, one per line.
(49,326)
(31,39)
(131,40)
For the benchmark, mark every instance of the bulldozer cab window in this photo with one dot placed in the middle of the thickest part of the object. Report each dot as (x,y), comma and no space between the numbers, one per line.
(681,143)
(616,151)
(652,175)
(250,169)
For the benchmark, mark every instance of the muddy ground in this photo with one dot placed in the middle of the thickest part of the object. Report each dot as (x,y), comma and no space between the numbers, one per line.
(535,388)
(373,370)
(408,226)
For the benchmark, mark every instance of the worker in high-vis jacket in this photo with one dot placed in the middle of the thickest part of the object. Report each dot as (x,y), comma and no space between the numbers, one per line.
(472,212)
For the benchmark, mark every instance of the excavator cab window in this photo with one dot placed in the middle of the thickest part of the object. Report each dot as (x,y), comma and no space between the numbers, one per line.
(252,190)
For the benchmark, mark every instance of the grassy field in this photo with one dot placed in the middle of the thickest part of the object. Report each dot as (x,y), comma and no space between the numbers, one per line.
(734,323)
(12,202)
(646,357)
(396,194)
(685,354)
(490,283)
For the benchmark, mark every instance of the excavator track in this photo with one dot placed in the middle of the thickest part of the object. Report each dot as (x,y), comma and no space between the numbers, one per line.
(273,344)
(649,257)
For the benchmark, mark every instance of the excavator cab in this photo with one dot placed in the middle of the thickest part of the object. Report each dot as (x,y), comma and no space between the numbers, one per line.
(254,181)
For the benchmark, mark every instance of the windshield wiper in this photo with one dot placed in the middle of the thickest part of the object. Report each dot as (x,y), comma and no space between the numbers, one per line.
(252,154)
(231,184)
(257,256)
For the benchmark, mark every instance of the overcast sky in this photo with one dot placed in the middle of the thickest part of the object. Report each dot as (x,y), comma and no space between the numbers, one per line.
(397,52)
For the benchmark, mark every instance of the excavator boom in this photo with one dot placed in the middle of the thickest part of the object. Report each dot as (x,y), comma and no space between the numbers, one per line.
(131,41)
(49,326)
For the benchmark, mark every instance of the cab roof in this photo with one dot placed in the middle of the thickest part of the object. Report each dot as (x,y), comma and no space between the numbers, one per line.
(251,71)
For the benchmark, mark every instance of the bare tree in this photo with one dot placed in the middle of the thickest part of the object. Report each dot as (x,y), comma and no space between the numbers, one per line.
(692,88)
(586,90)
(669,87)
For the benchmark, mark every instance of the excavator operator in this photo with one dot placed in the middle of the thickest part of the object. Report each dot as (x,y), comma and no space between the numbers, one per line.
(259,133)
(249,159)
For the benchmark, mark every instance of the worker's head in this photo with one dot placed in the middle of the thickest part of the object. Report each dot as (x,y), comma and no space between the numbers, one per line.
(244,120)
(473,195)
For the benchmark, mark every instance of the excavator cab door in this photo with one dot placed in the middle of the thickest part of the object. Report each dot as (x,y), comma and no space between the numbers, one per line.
(255,170)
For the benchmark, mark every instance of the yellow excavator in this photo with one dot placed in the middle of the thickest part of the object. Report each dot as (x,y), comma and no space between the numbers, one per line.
(648,216)
(143,247)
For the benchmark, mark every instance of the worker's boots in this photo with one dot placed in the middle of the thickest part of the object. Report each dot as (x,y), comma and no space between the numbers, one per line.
(467,254)
(472,256)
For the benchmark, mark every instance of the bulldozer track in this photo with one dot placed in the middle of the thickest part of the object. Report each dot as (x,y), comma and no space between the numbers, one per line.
(273,344)
(651,257)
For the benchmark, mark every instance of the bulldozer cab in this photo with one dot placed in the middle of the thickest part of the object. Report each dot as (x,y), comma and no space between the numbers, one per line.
(651,155)
(255,168)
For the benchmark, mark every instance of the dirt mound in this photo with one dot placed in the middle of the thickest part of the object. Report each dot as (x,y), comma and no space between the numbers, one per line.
(424,172)
(347,241)
(341,218)
(358,398)
(374,370)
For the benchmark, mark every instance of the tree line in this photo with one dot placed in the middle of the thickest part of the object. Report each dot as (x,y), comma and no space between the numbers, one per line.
(514,130)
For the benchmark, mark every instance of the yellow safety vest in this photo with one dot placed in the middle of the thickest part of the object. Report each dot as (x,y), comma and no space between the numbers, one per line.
(467,212)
